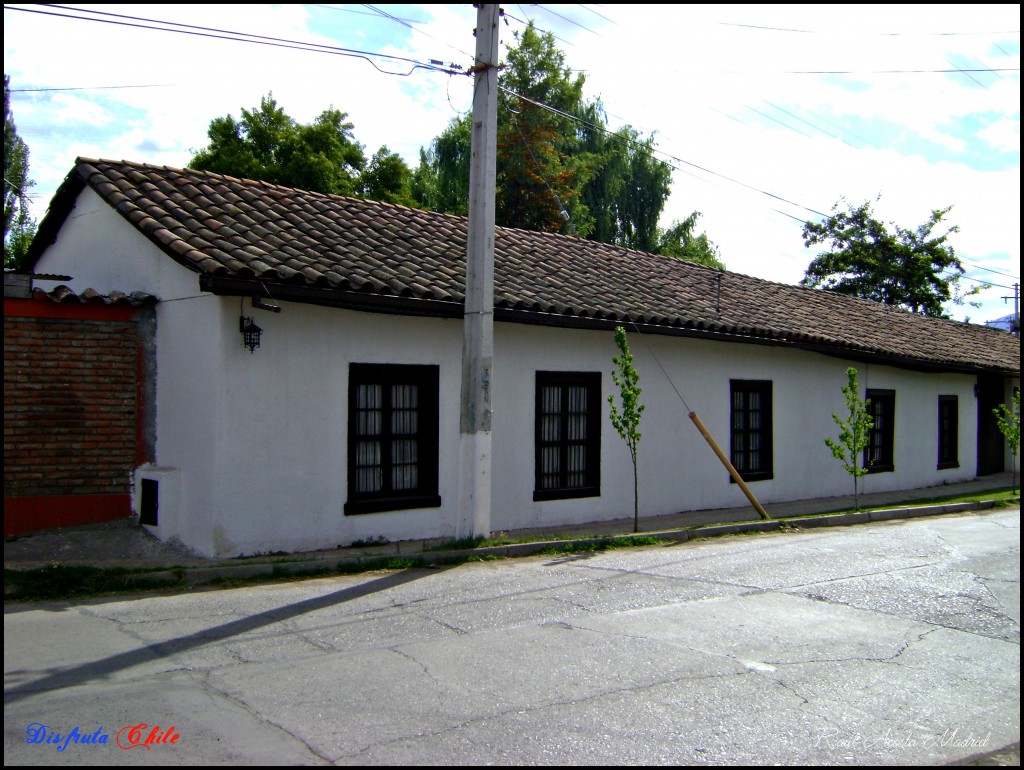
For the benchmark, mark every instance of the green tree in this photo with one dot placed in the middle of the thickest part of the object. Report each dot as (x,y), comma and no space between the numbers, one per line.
(627,186)
(1008,420)
(679,241)
(913,269)
(555,155)
(854,433)
(387,178)
(540,167)
(266,144)
(442,180)
(627,419)
(19,226)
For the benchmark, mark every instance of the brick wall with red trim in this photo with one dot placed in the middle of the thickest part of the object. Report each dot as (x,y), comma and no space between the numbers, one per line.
(73,411)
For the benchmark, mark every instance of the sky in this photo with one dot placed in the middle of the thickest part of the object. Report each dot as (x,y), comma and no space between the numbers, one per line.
(770,115)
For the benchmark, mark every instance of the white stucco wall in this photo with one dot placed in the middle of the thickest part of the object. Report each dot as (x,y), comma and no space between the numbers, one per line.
(254,444)
(101,251)
(678,471)
(282,428)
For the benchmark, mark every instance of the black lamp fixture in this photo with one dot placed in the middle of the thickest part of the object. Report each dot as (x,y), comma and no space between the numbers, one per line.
(250,332)
(247,326)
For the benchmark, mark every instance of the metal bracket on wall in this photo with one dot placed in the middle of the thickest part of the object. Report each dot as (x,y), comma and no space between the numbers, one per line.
(258,302)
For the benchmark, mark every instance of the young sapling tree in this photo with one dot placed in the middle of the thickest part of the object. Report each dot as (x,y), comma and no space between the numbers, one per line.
(854,434)
(1008,420)
(626,419)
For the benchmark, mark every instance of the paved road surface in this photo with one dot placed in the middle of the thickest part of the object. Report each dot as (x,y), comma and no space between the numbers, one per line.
(891,643)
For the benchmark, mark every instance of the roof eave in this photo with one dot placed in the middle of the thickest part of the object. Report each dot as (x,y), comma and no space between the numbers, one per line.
(223,285)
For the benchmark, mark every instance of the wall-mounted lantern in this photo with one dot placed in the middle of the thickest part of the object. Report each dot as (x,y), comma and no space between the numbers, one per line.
(250,332)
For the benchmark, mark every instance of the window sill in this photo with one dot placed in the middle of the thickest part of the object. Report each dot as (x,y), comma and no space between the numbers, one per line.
(881,469)
(565,494)
(944,466)
(356,507)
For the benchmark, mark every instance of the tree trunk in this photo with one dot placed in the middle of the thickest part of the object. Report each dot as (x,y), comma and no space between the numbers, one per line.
(636,499)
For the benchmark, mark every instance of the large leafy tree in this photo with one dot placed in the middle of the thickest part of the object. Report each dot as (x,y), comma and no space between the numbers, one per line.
(322,156)
(555,155)
(387,178)
(19,226)
(680,241)
(541,165)
(914,269)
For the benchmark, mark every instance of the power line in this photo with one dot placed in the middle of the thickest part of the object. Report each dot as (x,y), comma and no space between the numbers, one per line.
(621,137)
(675,162)
(239,37)
(409,24)
(566,18)
(506,16)
(665,154)
(817,128)
(87,88)
(591,10)
(869,34)
(988,269)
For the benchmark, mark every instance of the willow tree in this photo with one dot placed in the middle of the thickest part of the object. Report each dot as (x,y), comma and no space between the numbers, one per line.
(441,182)
(628,187)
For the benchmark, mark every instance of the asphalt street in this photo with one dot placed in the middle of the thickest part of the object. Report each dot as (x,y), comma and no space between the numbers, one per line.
(890,643)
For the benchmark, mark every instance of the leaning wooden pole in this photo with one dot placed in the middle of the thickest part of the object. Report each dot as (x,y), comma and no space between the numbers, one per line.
(725,461)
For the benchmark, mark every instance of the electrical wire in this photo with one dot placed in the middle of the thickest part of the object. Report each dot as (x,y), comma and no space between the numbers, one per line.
(434,65)
(238,37)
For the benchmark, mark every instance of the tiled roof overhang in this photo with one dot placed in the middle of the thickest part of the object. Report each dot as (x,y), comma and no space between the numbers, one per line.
(247,237)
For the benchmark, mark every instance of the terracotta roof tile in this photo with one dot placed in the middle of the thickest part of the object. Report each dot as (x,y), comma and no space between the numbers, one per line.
(230,227)
(63,294)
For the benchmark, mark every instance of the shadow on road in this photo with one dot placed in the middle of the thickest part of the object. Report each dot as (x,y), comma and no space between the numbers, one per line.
(102,668)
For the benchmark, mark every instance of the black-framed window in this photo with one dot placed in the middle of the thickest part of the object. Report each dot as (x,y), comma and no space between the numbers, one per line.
(750,420)
(879,456)
(568,435)
(392,437)
(949,432)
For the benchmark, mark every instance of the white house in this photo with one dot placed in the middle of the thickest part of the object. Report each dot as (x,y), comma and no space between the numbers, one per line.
(343,424)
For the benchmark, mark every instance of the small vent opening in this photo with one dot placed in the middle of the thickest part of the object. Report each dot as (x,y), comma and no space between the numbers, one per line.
(150,504)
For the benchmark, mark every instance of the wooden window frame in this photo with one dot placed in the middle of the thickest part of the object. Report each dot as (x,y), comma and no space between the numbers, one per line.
(742,433)
(388,497)
(563,444)
(949,433)
(880,454)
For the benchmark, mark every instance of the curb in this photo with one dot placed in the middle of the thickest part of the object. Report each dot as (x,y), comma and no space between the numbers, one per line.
(393,559)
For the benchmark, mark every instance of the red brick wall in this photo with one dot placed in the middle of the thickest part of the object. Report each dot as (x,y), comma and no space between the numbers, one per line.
(73,430)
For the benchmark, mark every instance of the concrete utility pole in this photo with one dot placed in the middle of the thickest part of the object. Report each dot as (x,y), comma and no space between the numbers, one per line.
(1015,324)
(474,516)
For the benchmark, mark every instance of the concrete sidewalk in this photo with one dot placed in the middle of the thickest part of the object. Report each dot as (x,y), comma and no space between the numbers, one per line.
(124,544)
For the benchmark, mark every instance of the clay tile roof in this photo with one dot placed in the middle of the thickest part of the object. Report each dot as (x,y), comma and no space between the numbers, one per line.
(62,294)
(223,227)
